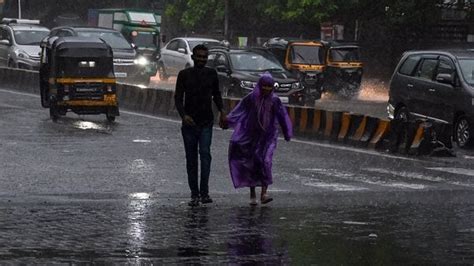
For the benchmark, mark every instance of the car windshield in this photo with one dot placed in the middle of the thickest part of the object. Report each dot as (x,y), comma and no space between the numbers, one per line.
(193,44)
(344,55)
(114,39)
(467,70)
(254,62)
(306,54)
(145,39)
(30,37)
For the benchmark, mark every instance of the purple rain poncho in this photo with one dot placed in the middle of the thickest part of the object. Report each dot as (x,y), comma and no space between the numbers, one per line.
(254,139)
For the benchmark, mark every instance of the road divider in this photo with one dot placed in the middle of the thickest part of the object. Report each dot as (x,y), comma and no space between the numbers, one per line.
(417,138)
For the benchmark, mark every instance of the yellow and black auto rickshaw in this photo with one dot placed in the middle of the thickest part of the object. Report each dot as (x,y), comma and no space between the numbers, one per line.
(305,58)
(344,69)
(77,74)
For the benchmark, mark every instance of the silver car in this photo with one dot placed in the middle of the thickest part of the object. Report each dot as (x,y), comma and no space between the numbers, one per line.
(176,55)
(19,43)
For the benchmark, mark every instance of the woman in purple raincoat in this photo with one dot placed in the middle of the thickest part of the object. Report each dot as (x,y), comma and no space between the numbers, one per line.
(255,120)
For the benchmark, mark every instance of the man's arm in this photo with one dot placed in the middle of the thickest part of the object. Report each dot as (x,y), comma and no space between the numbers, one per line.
(179,100)
(179,95)
(216,93)
(217,98)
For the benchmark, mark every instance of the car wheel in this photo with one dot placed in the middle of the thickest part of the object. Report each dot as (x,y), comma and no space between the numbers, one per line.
(12,64)
(162,72)
(463,132)
(402,114)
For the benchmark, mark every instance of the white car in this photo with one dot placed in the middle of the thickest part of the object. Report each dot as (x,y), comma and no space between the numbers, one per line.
(19,43)
(176,55)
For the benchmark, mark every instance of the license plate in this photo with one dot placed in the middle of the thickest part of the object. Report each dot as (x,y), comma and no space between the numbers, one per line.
(120,75)
(284,99)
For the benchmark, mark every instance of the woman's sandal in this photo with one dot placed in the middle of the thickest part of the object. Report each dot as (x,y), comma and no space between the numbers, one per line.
(265,199)
(253,202)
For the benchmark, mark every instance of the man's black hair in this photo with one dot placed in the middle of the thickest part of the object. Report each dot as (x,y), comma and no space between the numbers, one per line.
(201,47)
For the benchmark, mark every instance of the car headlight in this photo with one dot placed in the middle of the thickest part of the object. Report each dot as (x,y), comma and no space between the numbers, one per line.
(142,61)
(295,85)
(21,54)
(249,85)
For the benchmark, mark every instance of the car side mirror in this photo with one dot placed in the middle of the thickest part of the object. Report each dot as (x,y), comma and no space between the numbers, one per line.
(223,69)
(182,50)
(445,78)
(5,42)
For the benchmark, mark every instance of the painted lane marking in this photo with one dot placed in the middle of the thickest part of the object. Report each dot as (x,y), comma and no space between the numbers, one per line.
(330,146)
(355,223)
(418,176)
(365,179)
(312,182)
(453,170)
(141,141)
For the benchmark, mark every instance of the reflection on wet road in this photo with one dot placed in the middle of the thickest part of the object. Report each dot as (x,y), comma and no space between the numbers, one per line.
(142,228)
(83,190)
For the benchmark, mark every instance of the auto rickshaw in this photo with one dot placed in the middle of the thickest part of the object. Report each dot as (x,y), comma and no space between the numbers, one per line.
(344,69)
(305,58)
(77,74)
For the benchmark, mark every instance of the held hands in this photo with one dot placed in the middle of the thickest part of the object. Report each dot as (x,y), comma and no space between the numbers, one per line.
(223,121)
(287,138)
(187,120)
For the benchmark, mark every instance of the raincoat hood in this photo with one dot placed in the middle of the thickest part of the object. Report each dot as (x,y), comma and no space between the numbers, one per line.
(265,80)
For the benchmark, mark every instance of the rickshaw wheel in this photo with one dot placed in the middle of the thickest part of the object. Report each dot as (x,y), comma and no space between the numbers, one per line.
(53,113)
(110,118)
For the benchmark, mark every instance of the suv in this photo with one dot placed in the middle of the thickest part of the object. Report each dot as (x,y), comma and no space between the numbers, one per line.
(176,55)
(127,66)
(239,70)
(435,85)
(19,43)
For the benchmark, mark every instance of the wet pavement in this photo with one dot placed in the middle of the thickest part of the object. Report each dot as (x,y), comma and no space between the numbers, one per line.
(87,191)
(157,229)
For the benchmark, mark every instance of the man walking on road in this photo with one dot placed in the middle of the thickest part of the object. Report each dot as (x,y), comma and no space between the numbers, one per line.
(196,88)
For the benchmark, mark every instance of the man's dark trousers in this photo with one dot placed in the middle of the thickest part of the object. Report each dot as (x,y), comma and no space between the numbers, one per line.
(196,139)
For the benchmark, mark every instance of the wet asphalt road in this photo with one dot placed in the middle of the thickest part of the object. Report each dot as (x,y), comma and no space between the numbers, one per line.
(84,190)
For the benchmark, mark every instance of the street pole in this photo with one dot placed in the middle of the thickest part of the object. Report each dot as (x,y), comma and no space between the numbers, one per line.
(19,9)
(226,19)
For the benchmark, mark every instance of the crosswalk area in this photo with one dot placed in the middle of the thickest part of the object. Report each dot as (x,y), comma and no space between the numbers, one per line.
(367,179)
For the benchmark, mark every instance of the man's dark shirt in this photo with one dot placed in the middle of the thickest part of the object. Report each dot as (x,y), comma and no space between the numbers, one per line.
(195,90)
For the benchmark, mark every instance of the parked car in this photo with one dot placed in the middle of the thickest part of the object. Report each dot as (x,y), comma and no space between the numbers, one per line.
(436,85)
(20,43)
(176,55)
(128,66)
(240,69)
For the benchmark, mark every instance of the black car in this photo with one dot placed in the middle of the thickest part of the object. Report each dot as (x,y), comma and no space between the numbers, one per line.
(240,69)
(436,85)
(128,66)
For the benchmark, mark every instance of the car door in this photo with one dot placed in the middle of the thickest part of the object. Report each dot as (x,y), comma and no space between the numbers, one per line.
(4,47)
(181,56)
(445,97)
(167,56)
(424,87)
